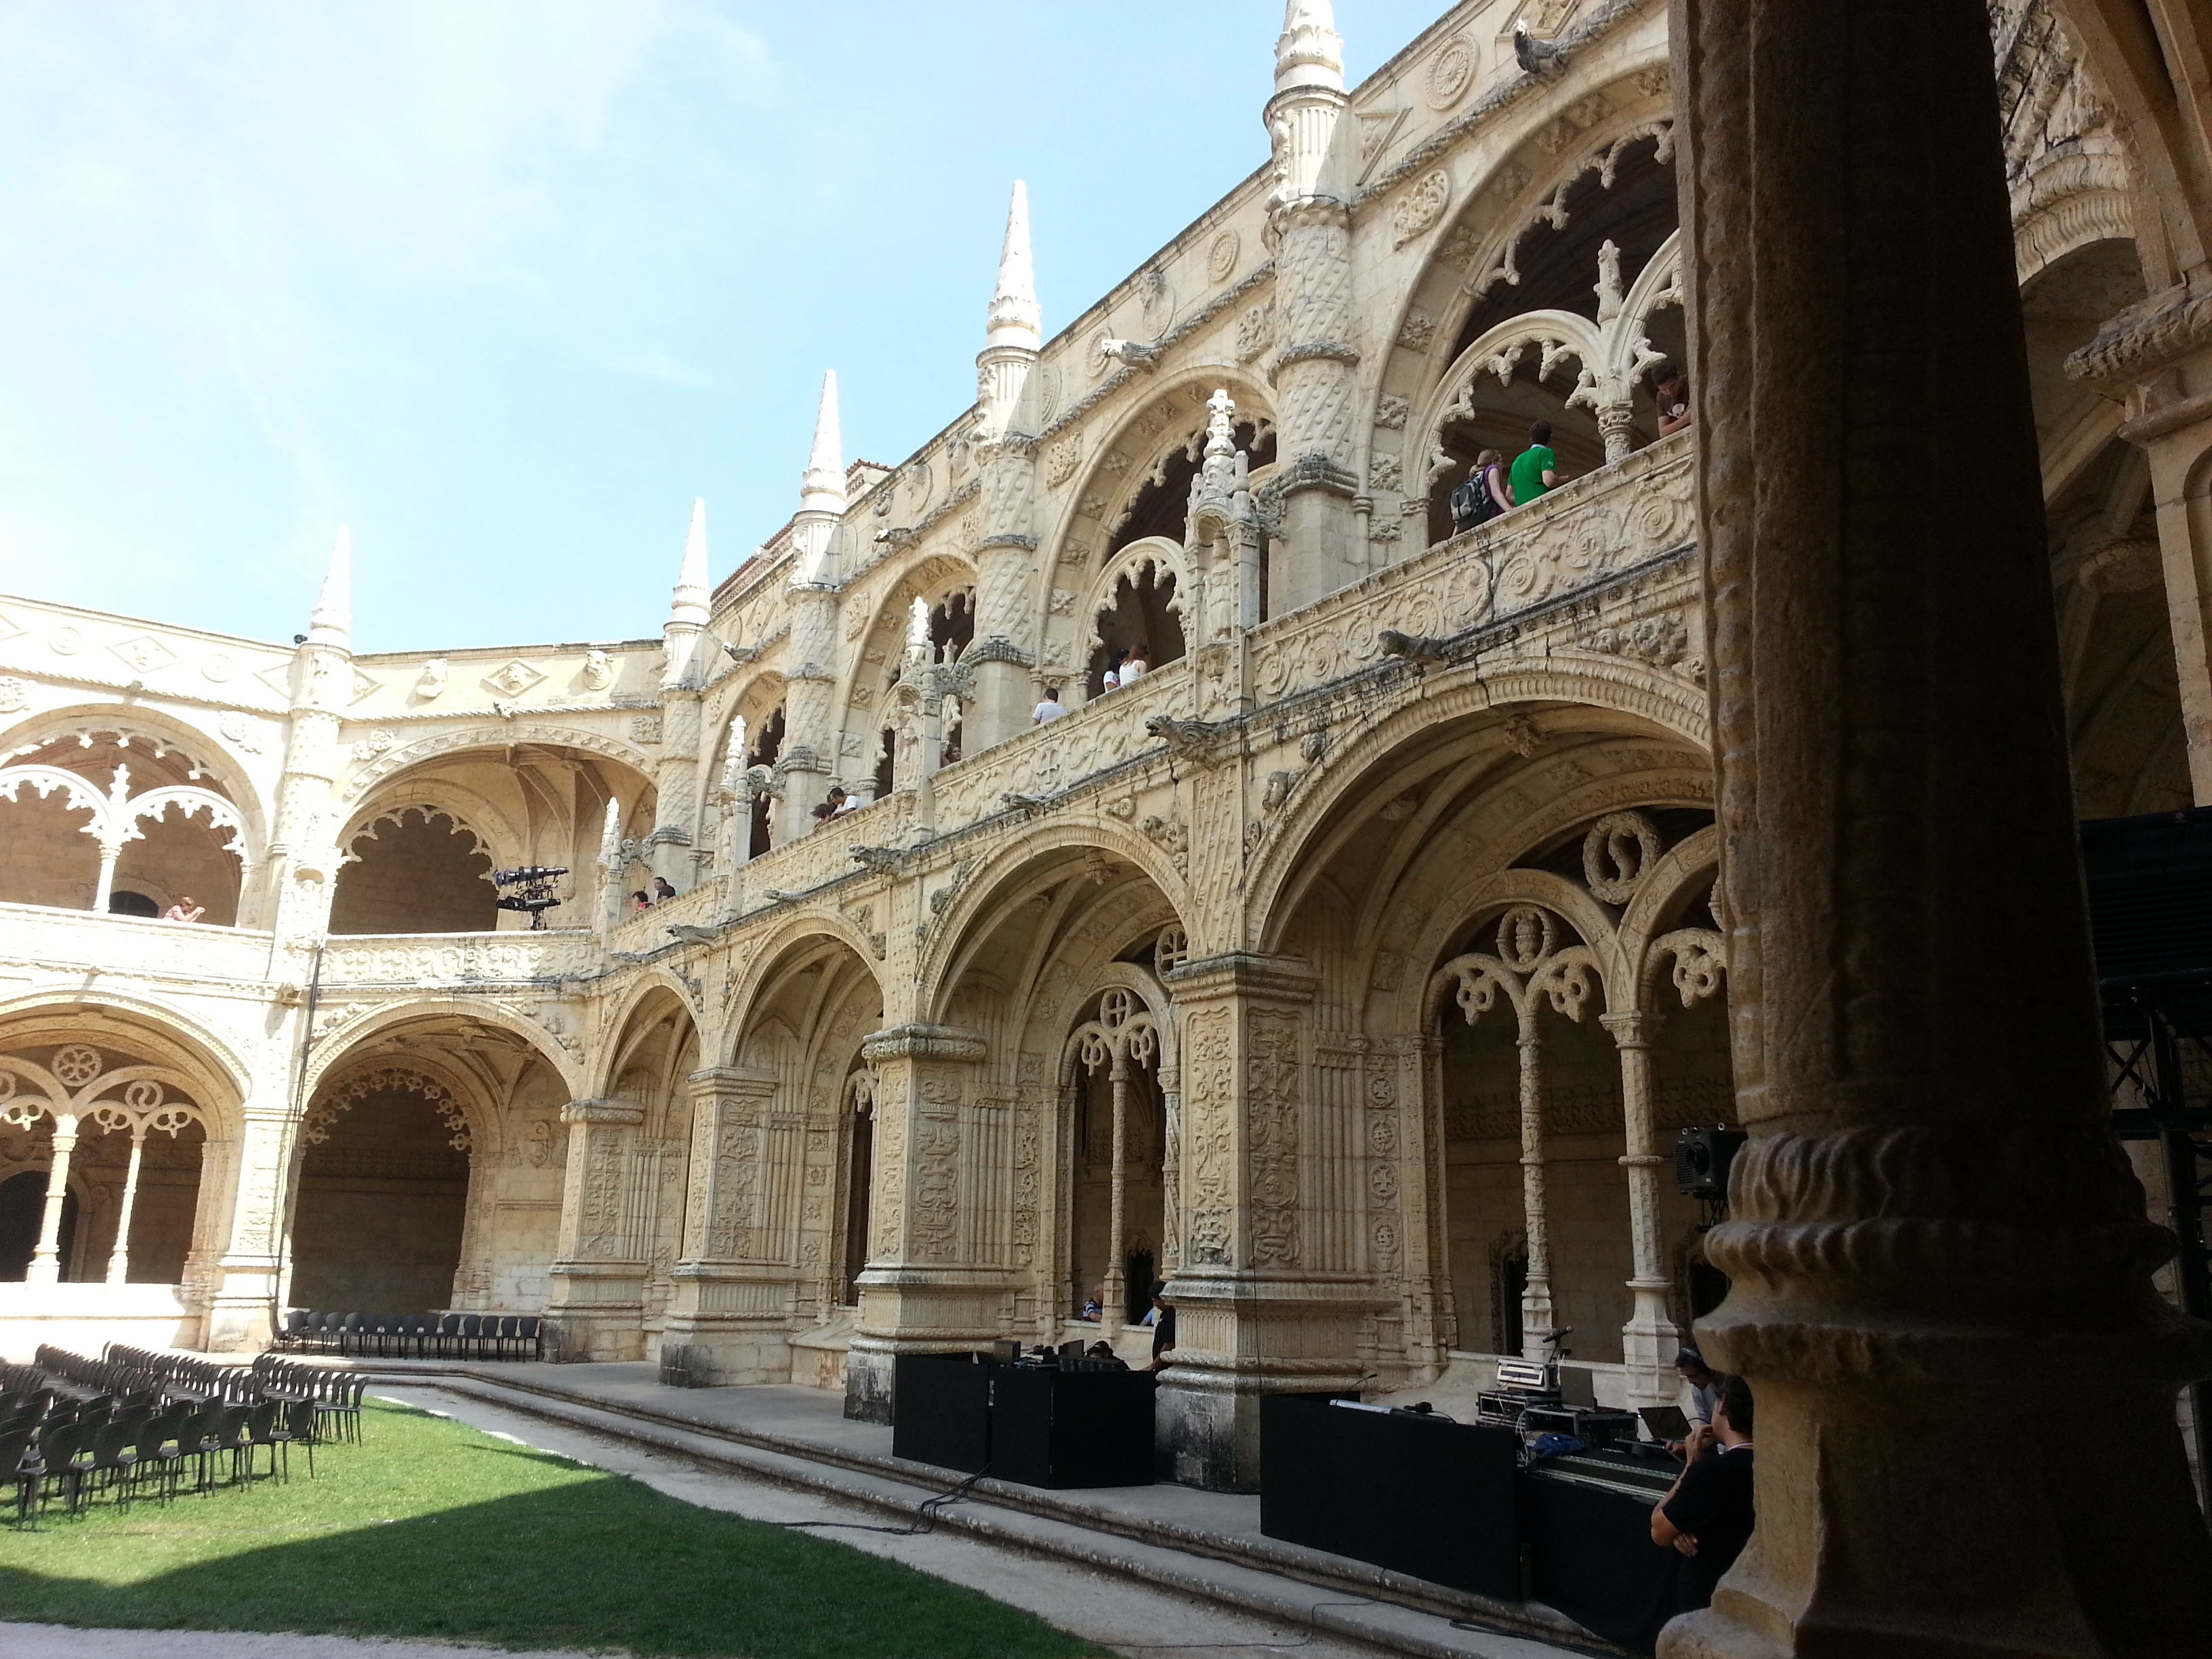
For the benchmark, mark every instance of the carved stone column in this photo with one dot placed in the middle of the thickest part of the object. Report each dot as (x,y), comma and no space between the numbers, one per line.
(1965,1379)
(45,1266)
(669,848)
(1650,1339)
(1253,1316)
(1309,228)
(738,1284)
(251,1243)
(810,743)
(942,1168)
(598,1304)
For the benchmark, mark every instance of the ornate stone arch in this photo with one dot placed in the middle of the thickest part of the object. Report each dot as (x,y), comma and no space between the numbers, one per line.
(953,934)
(1667,704)
(205,753)
(620,1023)
(333,1045)
(216,1076)
(456,1105)
(514,735)
(1162,416)
(1557,336)
(748,974)
(1157,553)
(486,828)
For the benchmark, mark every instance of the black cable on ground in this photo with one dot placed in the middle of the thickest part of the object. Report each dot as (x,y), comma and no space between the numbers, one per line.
(925,1517)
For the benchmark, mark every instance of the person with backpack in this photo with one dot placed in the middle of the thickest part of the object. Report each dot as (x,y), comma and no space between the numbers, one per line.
(1483,496)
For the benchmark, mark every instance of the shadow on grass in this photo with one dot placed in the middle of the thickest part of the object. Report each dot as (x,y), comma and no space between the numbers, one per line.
(598,1562)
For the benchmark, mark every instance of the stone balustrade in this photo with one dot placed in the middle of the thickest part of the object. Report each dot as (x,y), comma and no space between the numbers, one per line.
(460,960)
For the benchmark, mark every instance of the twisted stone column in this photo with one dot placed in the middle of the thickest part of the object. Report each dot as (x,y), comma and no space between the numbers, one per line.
(1941,1267)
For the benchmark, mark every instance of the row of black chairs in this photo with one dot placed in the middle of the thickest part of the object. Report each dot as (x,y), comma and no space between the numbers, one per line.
(62,1433)
(185,1374)
(415,1336)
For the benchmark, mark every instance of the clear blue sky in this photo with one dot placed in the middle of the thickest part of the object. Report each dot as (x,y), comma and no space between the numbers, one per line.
(506,284)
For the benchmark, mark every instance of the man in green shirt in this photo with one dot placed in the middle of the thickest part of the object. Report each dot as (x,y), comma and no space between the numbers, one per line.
(1535,469)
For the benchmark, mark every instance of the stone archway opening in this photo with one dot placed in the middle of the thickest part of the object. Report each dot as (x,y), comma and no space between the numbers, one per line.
(382,1197)
(146,826)
(418,871)
(100,1158)
(1118,1172)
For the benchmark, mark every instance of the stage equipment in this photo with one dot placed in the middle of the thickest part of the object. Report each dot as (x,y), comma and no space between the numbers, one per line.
(1414,1493)
(1055,1420)
(2151,925)
(1702,1158)
(533,890)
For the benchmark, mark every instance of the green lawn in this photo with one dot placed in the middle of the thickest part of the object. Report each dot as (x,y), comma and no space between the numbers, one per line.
(430,1528)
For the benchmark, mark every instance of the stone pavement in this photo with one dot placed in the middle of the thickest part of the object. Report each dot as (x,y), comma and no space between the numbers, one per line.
(1206,1546)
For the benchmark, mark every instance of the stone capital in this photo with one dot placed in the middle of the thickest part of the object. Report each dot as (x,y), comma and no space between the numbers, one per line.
(756,1081)
(613,1114)
(924,1043)
(1243,973)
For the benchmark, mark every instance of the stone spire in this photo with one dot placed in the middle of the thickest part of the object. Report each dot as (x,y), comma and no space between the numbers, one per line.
(694,591)
(1015,318)
(1308,52)
(822,489)
(331,622)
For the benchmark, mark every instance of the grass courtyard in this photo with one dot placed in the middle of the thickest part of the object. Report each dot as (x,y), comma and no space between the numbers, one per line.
(431,1530)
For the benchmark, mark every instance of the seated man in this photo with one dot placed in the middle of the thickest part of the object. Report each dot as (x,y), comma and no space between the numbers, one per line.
(1706,1515)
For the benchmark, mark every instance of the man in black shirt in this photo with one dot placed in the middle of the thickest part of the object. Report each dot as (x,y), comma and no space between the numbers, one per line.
(1707,1515)
(1164,1335)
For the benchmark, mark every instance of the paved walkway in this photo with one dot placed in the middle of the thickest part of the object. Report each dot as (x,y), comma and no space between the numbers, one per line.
(1123,1611)
(1207,1545)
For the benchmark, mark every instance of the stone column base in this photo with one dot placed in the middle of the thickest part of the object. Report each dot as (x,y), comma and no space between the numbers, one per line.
(920,1311)
(240,1315)
(734,1324)
(597,1311)
(1237,1340)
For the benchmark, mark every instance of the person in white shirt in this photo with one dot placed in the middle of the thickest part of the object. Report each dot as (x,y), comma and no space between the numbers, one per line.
(1112,679)
(1050,710)
(1135,665)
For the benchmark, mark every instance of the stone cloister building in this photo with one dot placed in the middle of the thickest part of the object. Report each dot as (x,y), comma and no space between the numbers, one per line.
(1351,969)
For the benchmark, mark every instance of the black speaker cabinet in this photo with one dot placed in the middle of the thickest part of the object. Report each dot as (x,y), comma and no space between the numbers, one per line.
(941,1410)
(1702,1158)
(1431,1499)
(1055,1428)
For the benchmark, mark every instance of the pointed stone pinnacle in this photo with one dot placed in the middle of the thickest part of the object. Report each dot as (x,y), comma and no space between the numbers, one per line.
(694,591)
(1014,318)
(331,622)
(823,488)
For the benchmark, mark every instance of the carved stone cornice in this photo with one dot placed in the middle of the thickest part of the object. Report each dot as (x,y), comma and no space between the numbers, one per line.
(1016,540)
(808,671)
(924,1043)
(1308,351)
(2155,333)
